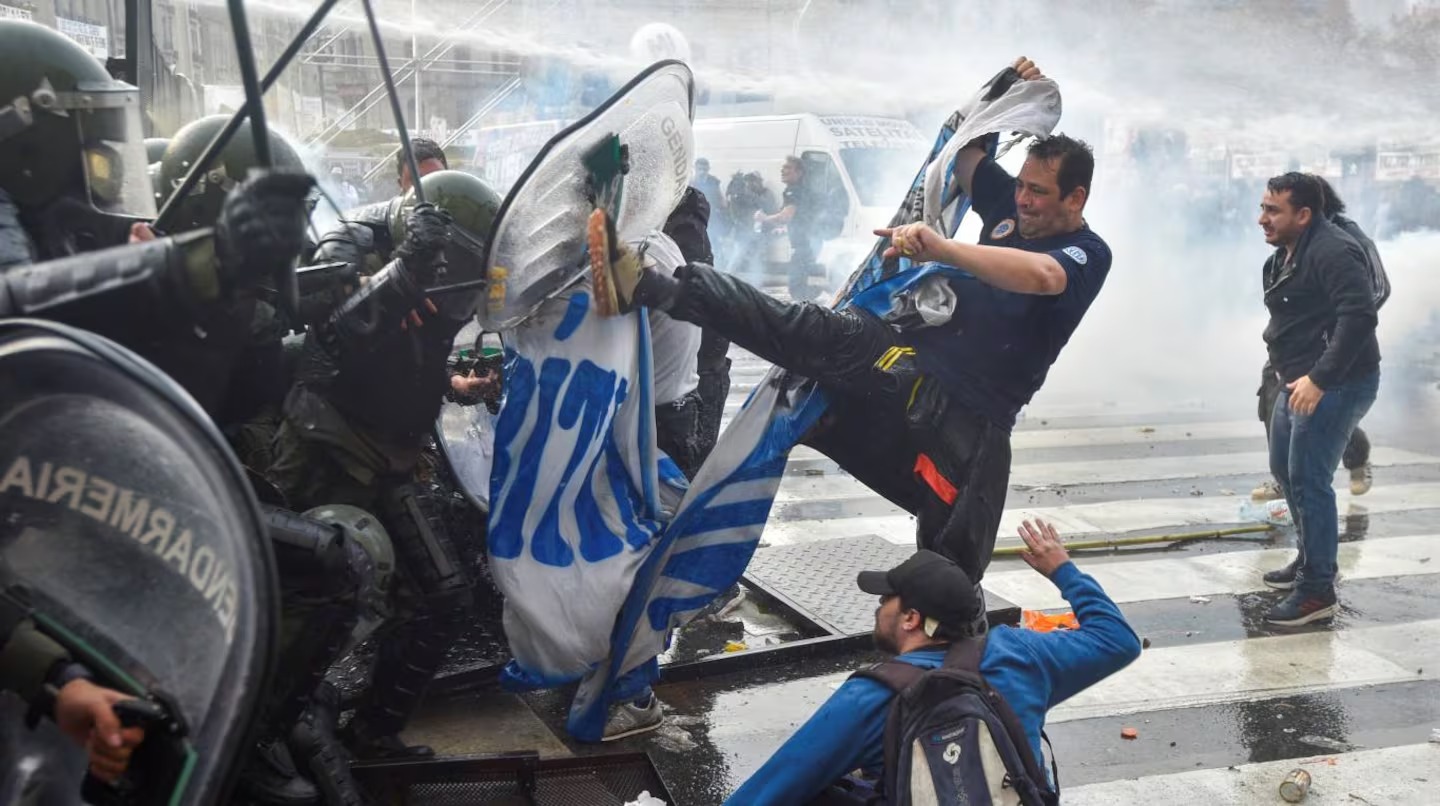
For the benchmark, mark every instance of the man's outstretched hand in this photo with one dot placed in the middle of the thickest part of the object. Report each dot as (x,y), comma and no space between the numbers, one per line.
(1043,549)
(919,242)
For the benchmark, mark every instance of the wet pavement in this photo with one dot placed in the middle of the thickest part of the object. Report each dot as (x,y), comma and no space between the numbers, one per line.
(1216,689)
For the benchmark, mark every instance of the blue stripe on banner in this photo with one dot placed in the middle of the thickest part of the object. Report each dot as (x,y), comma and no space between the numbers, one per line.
(586,403)
(728,516)
(597,542)
(647,415)
(519,389)
(671,474)
(553,373)
(766,459)
(574,315)
(517,678)
(639,530)
(711,566)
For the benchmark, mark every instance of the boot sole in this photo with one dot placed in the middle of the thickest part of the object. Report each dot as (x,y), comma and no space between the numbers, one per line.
(1286,586)
(1318,615)
(602,273)
(636,731)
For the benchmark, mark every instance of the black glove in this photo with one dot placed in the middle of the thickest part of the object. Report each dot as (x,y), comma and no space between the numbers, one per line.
(427,231)
(262,226)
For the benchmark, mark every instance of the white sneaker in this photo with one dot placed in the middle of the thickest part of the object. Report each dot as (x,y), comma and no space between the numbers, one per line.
(629,719)
(1269,491)
(1361,479)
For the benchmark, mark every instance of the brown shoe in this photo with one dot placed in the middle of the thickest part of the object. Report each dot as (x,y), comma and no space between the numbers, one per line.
(614,268)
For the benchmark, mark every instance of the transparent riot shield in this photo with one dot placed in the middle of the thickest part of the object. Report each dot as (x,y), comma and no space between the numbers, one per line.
(538,243)
(132,538)
(466,436)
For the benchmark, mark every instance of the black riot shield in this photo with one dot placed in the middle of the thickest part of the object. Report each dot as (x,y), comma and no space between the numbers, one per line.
(132,537)
(537,247)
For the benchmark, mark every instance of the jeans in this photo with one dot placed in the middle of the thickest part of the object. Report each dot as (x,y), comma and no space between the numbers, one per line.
(1357,450)
(1304,452)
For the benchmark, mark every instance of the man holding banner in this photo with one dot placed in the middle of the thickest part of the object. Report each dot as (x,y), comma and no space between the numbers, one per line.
(939,383)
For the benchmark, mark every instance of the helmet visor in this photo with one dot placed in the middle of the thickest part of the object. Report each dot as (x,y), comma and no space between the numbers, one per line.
(112,148)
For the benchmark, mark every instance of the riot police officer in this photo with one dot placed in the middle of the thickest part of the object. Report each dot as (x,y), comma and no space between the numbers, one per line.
(74,180)
(370,385)
(249,412)
(331,561)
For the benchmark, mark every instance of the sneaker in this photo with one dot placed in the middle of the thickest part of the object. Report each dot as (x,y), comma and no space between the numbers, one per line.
(1268,491)
(1302,608)
(632,719)
(614,268)
(1361,479)
(1284,578)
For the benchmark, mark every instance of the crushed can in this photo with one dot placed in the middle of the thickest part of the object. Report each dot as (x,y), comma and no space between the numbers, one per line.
(1295,786)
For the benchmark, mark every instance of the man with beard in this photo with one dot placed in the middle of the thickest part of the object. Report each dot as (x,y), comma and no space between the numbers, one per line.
(926,603)
(937,401)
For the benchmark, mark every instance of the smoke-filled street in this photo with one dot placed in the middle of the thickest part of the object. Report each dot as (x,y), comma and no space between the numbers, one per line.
(719,402)
(1223,704)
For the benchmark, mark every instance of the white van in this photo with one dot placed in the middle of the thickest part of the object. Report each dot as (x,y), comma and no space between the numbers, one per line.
(863,165)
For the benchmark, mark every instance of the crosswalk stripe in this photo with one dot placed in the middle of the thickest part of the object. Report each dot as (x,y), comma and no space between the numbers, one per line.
(840,485)
(1396,776)
(1135,435)
(1110,517)
(1191,447)
(1218,574)
(1260,668)
(1053,474)
(1116,517)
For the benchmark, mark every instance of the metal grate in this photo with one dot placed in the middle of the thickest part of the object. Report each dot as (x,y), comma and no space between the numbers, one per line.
(519,780)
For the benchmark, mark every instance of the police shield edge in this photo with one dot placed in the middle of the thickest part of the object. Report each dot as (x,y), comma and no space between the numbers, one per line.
(153,575)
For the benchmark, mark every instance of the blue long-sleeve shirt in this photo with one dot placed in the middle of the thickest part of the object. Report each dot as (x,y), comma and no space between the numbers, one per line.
(1033,671)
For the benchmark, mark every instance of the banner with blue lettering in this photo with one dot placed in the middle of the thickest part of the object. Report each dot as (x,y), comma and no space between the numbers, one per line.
(597,543)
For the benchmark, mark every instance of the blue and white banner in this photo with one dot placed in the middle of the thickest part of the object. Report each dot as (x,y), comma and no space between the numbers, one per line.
(597,543)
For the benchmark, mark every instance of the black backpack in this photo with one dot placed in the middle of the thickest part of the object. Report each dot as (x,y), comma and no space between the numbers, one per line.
(951,739)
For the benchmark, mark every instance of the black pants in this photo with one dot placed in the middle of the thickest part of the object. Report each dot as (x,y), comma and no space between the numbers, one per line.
(890,427)
(1357,450)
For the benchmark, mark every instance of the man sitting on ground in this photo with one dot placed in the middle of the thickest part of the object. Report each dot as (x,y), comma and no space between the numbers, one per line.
(926,603)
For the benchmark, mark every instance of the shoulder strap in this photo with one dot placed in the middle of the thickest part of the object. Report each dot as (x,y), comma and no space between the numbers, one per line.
(897,675)
(1054,770)
(966,654)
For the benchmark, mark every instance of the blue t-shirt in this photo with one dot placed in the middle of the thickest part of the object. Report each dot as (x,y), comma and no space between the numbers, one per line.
(993,354)
(1033,671)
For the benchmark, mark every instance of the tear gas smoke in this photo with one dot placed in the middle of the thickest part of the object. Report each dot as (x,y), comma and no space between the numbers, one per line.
(1189,106)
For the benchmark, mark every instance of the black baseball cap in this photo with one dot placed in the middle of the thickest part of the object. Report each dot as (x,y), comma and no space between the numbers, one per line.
(931,584)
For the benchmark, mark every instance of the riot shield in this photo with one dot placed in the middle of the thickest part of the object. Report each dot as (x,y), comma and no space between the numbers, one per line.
(538,243)
(466,436)
(133,539)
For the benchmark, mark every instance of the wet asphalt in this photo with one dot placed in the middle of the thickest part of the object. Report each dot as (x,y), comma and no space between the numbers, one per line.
(721,727)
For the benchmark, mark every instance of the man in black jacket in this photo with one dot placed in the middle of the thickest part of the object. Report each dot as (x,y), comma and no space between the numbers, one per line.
(1357,452)
(1321,342)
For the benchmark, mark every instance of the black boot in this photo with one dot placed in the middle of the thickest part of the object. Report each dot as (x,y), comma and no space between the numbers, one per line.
(270,777)
(319,751)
